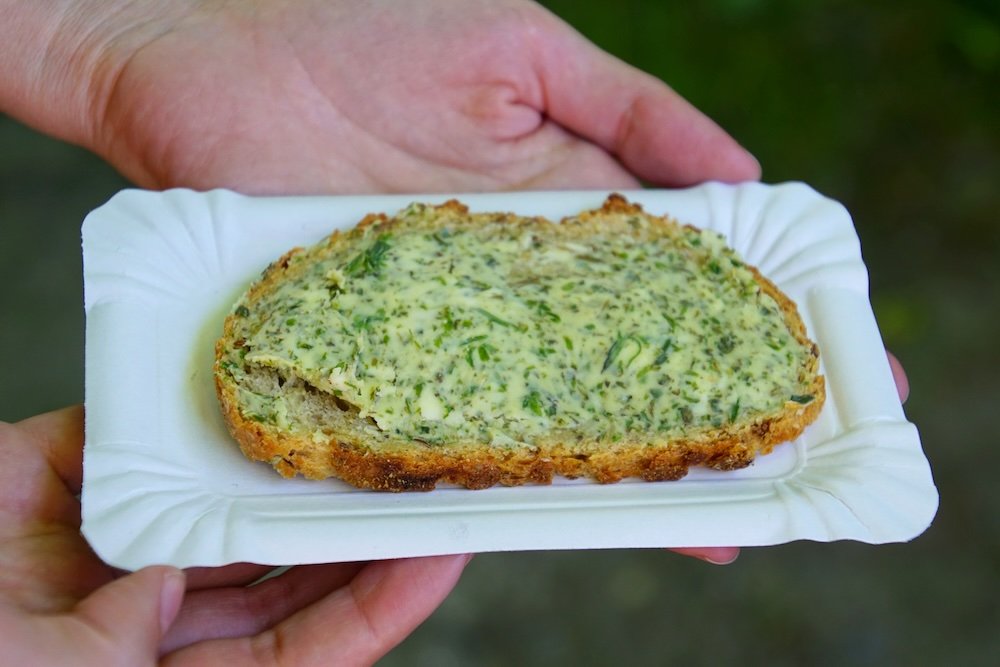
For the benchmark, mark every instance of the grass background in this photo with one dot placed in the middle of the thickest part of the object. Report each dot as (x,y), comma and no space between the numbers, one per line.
(891,108)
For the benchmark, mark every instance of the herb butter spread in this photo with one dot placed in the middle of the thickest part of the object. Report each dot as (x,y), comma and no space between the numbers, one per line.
(506,332)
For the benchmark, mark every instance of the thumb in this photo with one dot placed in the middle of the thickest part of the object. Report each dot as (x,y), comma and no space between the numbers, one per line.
(653,131)
(134,612)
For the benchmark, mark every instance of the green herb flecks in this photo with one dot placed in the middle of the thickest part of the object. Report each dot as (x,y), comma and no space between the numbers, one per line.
(473,339)
(475,347)
(371,260)
(664,352)
(365,322)
(613,352)
(497,320)
(544,310)
(441,237)
(483,351)
(533,401)
(687,416)
(616,349)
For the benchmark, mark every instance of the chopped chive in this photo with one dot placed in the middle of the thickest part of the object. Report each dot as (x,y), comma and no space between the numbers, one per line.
(686,415)
(616,348)
(497,320)
(533,402)
(664,352)
(613,351)
(371,260)
(365,322)
(638,350)
(775,344)
(544,310)
(449,321)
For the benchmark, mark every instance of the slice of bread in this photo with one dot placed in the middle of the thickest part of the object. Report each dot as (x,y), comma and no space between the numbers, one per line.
(478,349)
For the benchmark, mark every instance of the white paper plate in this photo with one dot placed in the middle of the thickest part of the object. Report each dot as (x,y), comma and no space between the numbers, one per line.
(164,482)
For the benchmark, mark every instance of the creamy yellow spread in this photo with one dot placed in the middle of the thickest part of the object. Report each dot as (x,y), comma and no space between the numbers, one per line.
(504,333)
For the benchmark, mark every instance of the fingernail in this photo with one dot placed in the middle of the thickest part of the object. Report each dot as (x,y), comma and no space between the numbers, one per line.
(171,596)
(726,560)
(755,170)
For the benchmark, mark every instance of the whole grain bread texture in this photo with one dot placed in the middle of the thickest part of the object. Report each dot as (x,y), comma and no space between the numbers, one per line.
(306,428)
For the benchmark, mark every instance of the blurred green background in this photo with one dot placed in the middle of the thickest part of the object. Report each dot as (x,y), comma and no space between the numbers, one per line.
(892,108)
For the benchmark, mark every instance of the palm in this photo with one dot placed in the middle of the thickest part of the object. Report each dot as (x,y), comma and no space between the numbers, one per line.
(381,96)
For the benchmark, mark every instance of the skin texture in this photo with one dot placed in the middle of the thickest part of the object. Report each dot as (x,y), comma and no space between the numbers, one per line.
(58,599)
(307,96)
(320,97)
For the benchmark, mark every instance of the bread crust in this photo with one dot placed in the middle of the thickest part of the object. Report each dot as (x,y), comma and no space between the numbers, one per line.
(475,465)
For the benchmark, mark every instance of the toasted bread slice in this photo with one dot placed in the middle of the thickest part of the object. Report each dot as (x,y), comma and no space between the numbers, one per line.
(478,349)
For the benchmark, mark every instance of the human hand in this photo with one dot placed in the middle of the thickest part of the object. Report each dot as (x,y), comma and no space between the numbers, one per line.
(317,96)
(320,96)
(57,599)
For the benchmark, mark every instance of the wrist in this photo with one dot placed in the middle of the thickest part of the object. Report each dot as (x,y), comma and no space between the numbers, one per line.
(43,73)
(59,60)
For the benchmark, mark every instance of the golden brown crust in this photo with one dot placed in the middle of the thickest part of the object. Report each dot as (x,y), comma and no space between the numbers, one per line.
(475,465)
